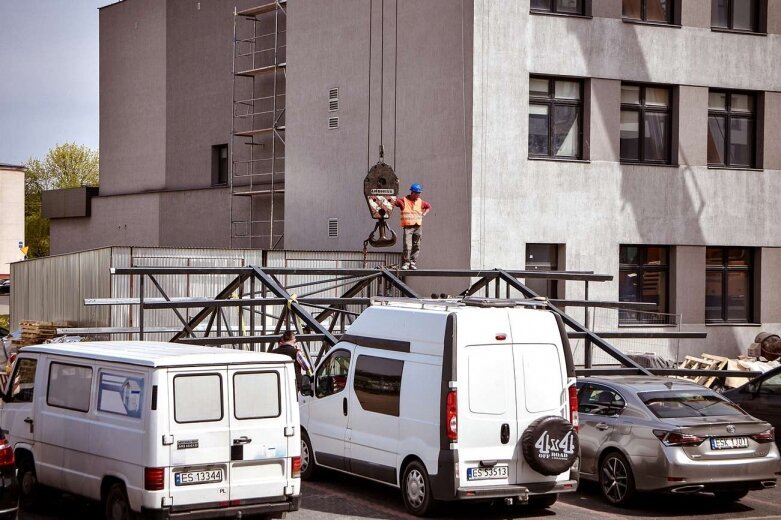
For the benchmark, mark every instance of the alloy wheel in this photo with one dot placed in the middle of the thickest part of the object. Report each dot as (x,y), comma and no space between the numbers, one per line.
(615,479)
(304,456)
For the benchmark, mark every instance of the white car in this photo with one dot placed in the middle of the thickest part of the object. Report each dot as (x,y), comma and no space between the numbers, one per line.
(458,400)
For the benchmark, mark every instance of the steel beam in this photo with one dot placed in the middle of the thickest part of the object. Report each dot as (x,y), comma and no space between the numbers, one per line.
(198,318)
(624,371)
(395,281)
(572,323)
(641,334)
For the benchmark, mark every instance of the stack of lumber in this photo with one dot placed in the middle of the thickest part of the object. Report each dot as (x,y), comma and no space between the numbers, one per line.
(706,362)
(36,332)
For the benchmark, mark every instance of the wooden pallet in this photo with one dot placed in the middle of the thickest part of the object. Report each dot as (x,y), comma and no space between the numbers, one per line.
(706,362)
(35,332)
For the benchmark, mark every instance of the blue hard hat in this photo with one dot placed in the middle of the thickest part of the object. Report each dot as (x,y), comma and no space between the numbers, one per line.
(416,188)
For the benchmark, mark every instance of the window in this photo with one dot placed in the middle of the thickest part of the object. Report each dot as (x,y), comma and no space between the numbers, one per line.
(646,117)
(198,398)
(672,404)
(728,284)
(23,381)
(643,277)
(600,400)
(220,165)
(771,385)
(70,386)
(542,369)
(331,377)
(555,117)
(121,394)
(731,129)
(542,257)
(576,7)
(378,384)
(736,15)
(659,11)
(256,395)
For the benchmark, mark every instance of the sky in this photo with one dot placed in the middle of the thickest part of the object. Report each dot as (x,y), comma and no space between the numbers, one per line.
(48,76)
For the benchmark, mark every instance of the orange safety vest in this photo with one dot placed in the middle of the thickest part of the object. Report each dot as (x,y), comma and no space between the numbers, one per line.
(412,212)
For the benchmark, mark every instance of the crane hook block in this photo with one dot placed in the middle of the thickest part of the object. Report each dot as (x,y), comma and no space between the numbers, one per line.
(380,187)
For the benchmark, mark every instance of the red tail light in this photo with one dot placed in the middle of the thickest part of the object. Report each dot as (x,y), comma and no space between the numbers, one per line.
(154,479)
(451,416)
(573,406)
(677,438)
(295,467)
(765,436)
(6,453)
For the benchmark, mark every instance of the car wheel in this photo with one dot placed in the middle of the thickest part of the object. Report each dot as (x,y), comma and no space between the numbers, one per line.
(543,501)
(308,466)
(616,480)
(28,482)
(730,496)
(416,489)
(117,506)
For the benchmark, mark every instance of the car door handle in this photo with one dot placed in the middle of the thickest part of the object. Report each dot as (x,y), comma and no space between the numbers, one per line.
(242,440)
(28,420)
(344,406)
(602,426)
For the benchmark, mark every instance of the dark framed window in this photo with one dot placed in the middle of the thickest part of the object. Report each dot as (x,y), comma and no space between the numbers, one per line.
(644,273)
(555,117)
(737,15)
(22,386)
(220,165)
(377,384)
(331,377)
(599,400)
(656,11)
(729,279)
(576,7)
(543,257)
(732,129)
(646,124)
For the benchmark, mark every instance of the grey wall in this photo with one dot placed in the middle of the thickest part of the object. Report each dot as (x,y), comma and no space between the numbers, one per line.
(426,97)
(132,96)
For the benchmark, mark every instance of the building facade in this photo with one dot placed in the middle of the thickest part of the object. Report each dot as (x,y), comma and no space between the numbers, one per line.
(637,138)
(11,217)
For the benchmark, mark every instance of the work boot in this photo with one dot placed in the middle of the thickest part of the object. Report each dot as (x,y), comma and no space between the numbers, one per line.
(404,266)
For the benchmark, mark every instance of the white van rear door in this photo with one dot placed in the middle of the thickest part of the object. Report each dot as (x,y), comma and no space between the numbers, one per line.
(260,425)
(199,429)
(487,431)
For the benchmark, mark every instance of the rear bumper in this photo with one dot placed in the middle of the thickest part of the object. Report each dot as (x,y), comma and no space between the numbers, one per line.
(223,512)
(518,490)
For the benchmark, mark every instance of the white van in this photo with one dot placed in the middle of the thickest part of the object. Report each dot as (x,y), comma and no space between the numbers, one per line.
(165,429)
(448,400)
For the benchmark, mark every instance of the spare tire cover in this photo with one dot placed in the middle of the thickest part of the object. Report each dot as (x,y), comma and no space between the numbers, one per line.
(550,445)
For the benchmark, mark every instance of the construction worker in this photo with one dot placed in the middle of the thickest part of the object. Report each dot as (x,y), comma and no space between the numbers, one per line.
(413,209)
(288,346)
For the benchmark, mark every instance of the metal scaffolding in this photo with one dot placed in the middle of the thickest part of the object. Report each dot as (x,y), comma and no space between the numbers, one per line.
(252,310)
(257,178)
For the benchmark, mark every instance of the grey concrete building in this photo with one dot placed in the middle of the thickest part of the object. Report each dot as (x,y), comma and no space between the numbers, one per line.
(638,138)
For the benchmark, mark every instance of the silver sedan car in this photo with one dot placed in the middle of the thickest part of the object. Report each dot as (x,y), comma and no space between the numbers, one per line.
(640,433)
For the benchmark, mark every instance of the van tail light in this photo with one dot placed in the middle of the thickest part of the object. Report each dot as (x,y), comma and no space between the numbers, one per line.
(295,466)
(677,438)
(6,454)
(451,416)
(154,479)
(765,436)
(573,407)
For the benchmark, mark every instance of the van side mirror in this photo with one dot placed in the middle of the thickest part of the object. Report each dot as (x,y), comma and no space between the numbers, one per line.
(306,386)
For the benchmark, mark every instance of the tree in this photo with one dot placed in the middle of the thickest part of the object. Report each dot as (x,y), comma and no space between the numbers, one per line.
(65,166)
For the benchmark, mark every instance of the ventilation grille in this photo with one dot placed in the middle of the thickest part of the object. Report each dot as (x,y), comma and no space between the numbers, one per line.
(333,228)
(333,105)
(333,93)
(333,122)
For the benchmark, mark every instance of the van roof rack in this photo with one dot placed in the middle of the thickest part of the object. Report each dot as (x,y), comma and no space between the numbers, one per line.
(470,301)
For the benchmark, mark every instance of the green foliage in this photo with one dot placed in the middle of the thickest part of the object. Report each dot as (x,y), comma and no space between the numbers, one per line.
(5,321)
(65,166)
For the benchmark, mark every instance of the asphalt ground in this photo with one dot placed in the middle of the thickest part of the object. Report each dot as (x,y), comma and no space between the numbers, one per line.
(334,495)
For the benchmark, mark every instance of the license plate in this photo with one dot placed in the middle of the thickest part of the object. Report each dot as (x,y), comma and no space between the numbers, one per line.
(728,443)
(499,471)
(190,478)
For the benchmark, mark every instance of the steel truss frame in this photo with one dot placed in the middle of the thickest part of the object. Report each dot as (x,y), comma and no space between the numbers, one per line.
(267,296)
